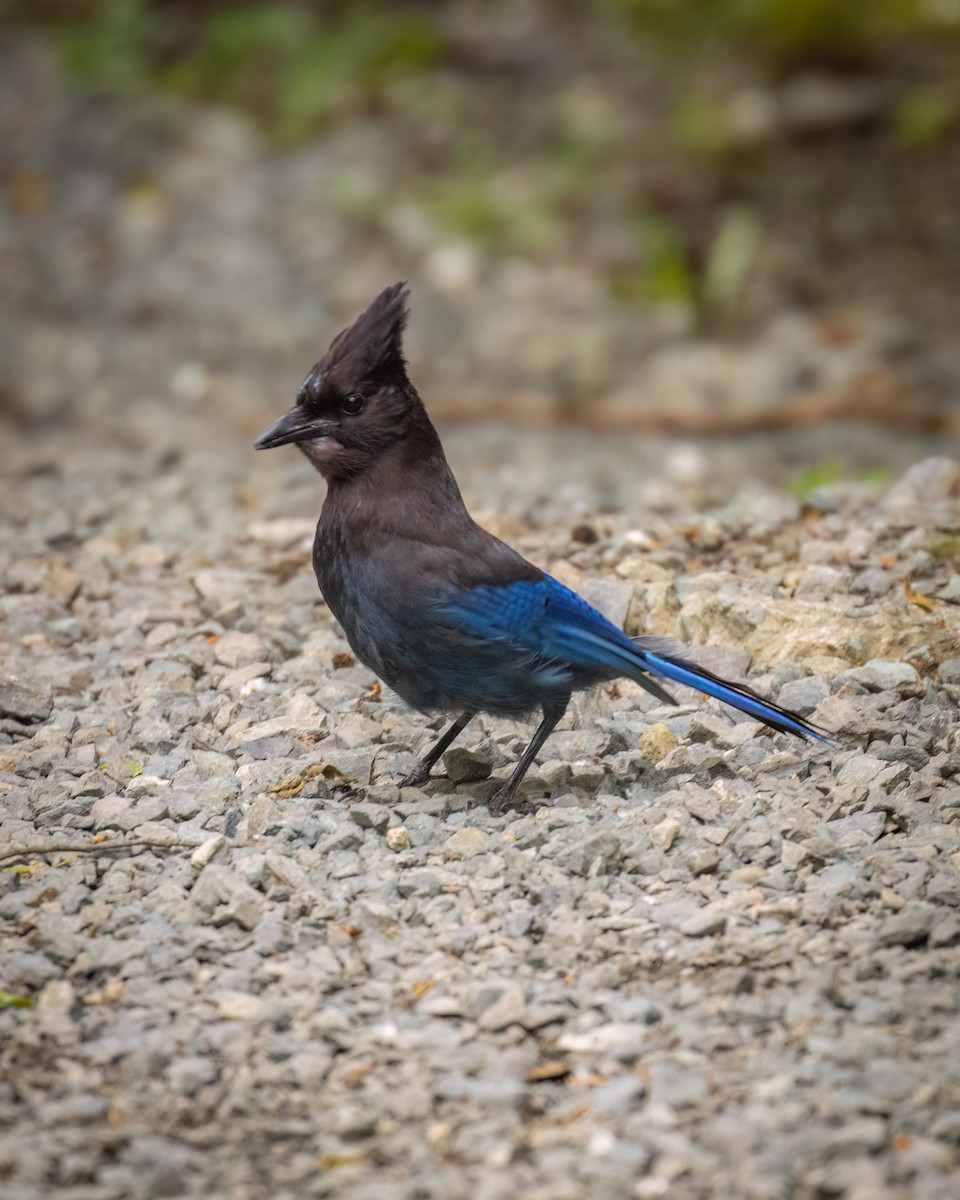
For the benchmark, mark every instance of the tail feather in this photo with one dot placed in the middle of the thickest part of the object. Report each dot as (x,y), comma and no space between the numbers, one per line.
(557,625)
(584,645)
(681,670)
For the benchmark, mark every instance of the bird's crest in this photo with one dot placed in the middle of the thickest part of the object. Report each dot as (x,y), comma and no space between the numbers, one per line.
(375,340)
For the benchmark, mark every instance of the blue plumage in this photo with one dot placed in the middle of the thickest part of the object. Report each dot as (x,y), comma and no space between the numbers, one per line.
(447,615)
(548,620)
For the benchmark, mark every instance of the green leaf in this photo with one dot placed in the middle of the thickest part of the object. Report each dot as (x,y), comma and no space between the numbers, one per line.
(813,477)
(112,49)
(10,1000)
(701,125)
(666,276)
(922,116)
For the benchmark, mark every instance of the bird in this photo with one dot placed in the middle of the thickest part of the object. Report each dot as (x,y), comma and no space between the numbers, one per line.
(450,617)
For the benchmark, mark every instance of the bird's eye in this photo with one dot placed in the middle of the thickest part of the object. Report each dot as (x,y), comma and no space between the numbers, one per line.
(352,403)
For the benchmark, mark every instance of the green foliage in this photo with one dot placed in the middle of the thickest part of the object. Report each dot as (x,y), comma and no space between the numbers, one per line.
(816,476)
(464,205)
(666,276)
(947,549)
(783,27)
(113,48)
(878,475)
(296,67)
(833,470)
(923,115)
(517,219)
(700,125)
(239,47)
(292,66)
(463,199)
(522,207)
(669,273)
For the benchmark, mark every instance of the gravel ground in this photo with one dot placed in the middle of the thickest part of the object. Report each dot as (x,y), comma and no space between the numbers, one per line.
(701,960)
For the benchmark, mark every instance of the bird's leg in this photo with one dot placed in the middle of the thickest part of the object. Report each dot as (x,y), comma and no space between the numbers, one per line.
(421,772)
(551,715)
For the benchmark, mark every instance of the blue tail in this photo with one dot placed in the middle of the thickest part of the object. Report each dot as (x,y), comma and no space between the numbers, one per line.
(545,620)
(681,670)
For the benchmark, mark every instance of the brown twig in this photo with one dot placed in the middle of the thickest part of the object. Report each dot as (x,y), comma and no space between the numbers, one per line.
(95,847)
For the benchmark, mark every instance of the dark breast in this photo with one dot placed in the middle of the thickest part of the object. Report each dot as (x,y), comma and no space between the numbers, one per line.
(329,564)
(340,573)
(375,628)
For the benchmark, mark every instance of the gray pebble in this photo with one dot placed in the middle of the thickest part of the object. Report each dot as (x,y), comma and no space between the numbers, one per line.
(873,582)
(820,582)
(707,921)
(868,825)
(914,756)
(21,702)
(620,1095)
(911,927)
(370,816)
(803,695)
(949,670)
(880,675)
(600,853)
(466,766)
(224,897)
(677,1086)
(635,1008)
(29,970)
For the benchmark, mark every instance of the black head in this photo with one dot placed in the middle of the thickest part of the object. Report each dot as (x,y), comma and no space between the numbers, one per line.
(357,400)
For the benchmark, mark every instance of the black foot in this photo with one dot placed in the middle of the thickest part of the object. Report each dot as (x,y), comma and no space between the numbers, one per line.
(501,800)
(417,777)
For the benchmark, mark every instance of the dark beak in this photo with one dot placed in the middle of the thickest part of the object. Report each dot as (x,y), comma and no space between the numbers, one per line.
(294,426)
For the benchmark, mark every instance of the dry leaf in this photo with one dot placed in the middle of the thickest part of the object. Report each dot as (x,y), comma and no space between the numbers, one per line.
(915,597)
(29,868)
(292,786)
(545,1071)
(574,1114)
(330,1162)
(356,1075)
(591,1080)
(286,789)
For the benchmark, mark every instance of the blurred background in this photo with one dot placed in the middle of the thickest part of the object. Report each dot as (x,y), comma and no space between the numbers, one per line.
(729,222)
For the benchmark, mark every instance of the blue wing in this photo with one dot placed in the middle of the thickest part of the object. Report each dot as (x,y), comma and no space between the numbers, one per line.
(554,628)
(553,625)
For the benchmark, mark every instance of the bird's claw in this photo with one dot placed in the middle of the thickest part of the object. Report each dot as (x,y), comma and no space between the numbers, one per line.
(417,777)
(501,801)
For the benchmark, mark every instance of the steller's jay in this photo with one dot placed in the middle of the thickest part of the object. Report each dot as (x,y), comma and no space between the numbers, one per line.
(445,613)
